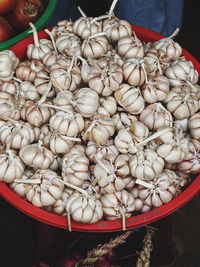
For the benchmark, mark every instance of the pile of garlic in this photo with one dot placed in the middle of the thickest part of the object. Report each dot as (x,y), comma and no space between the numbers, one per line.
(95,124)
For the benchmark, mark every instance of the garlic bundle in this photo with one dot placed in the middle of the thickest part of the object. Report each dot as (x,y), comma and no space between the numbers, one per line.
(182,102)
(155,90)
(20,188)
(28,91)
(84,209)
(17,134)
(36,156)
(99,129)
(194,126)
(146,164)
(69,124)
(130,47)
(106,151)
(181,71)
(105,77)
(108,106)
(130,98)
(9,108)
(75,166)
(95,46)
(44,188)
(11,166)
(59,206)
(8,64)
(155,116)
(69,45)
(125,142)
(35,114)
(10,87)
(27,70)
(87,102)
(123,120)
(135,71)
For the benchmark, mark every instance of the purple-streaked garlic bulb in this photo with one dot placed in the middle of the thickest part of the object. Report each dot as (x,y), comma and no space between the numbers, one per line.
(181,71)
(84,209)
(130,47)
(42,81)
(130,98)
(105,76)
(69,124)
(182,102)
(9,108)
(28,91)
(123,120)
(135,71)
(69,45)
(107,106)
(194,126)
(35,114)
(146,164)
(17,134)
(27,70)
(10,87)
(86,102)
(45,188)
(36,156)
(106,151)
(155,90)
(155,116)
(12,167)
(75,166)
(8,64)
(99,129)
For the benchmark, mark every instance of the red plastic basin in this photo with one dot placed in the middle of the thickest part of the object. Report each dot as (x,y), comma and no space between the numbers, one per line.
(102,226)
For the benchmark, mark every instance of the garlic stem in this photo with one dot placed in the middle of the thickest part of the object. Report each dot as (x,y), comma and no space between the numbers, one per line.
(82,13)
(99,18)
(89,130)
(35,35)
(112,7)
(73,187)
(44,97)
(71,65)
(56,107)
(71,138)
(28,181)
(174,33)
(145,184)
(52,39)
(16,79)
(69,221)
(97,35)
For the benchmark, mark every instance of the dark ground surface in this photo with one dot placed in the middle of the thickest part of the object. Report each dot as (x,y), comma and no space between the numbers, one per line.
(179,244)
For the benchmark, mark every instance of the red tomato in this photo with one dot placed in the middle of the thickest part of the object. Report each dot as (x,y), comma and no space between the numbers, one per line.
(7,5)
(26,11)
(6,31)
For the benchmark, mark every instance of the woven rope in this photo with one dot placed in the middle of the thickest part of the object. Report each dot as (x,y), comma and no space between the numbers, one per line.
(94,255)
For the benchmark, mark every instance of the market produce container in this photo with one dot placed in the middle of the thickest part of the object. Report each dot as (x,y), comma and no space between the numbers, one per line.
(103,226)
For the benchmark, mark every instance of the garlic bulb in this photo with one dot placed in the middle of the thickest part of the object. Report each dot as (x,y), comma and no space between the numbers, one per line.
(28,91)
(99,129)
(118,205)
(108,106)
(116,29)
(139,131)
(146,164)
(10,87)
(182,124)
(36,156)
(39,49)
(135,71)
(69,45)
(130,47)
(64,101)
(191,161)
(122,165)
(182,102)
(181,71)
(27,70)
(85,27)
(155,90)
(59,206)
(11,166)
(87,102)
(123,120)
(9,108)
(125,142)
(69,124)
(58,143)
(41,82)
(112,54)
(51,58)
(46,190)
(75,166)
(94,47)
(35,114)
(130,98)
(84,209)
(105,77)
(20,188)
(8,64)
(62,27)
(155,116)
(18,134)
(107,151)
(194,126)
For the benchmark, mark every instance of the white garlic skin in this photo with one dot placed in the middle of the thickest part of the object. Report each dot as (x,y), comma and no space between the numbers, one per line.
(59,144)
(38,52)
(94,48)
(8,107)
(28,91)
(130,47)
(10,87)
(139,130)
(8,64)
(69,45)
(108,106)
(123,120)
(124,142)
(85,27)
(194,126)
